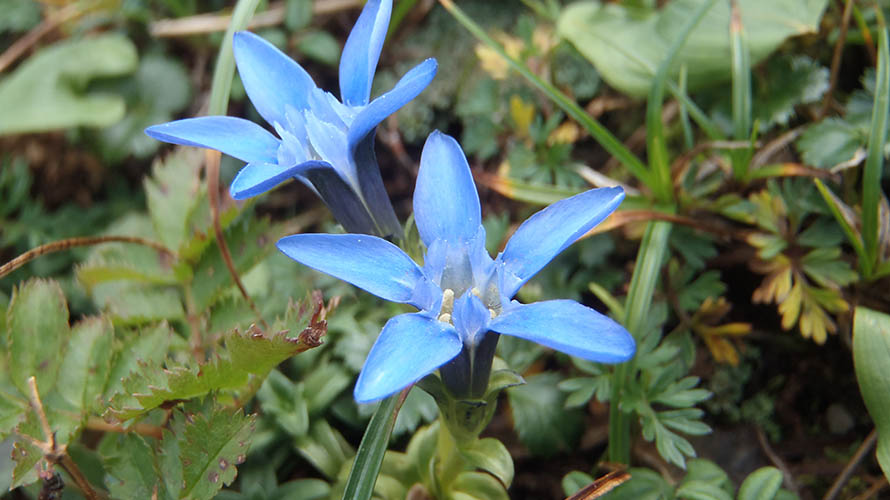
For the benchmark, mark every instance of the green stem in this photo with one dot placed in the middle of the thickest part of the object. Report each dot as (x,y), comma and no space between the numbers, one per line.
(450,463)
(369,457)
(221,87)
(871,176)
(653,250)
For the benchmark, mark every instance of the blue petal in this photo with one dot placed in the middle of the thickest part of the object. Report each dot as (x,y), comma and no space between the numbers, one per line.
(257,178)
(446,204)
(409,87)
(362,51)
(547,233)
(271,79)
(368,262)
(410,347)
(236,137)
(569,327)
(330,143)
(470,318)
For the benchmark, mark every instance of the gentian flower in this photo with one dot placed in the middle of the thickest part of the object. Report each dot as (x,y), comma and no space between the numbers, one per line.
(464,295)
(325,143)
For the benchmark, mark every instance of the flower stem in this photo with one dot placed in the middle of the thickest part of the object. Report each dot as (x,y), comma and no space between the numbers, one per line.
(450,463)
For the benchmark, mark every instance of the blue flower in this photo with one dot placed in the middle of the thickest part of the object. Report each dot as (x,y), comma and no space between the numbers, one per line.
(327,144)
(464,295)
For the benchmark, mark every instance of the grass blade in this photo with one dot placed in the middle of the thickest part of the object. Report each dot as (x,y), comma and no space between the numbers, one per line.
(871,177)
(369,457)
(741,90)
(602,135)
(221,87)
(656,143)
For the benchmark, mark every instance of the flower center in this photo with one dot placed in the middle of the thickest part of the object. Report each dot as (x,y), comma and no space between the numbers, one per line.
(447,306)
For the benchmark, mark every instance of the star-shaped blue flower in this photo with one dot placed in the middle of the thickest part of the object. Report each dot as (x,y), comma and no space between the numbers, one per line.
(462,293)
(327,144)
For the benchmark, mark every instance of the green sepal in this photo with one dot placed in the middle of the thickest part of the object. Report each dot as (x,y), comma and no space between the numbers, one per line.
(490,455)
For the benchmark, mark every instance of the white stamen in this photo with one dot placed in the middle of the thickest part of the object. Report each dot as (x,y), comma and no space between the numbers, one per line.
(445,318)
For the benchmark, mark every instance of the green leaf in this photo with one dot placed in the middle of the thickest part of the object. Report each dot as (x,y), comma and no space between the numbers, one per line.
(249,241)
(25,455)
(762,484)
(543,424)
(87,363)
(248,353)
(644,484)
(325,449)
(297,14)
(574,481)
(12,409)
(159,88)
(492,456)
(476,486)
(47,91)
(133,472)
(147,346)
(210,447)
(172,193)
(700,490)
(871,350)
(284,401)
(790,80)
(37,321)
(18,15)
(321,46)
(627,44)
(369,457)
(830,142)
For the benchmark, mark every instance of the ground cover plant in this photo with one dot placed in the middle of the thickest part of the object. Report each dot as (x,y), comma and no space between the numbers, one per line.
(429,249)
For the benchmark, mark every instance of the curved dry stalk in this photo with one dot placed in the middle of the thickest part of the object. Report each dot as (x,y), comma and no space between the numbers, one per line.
(85,241)
(212,164)
(857,457)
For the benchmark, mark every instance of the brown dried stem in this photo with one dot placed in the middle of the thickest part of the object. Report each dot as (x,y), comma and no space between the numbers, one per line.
(212,165)
(854,462)
(52,452)
(836,57)
(65,244)
(30,38)
(211,23)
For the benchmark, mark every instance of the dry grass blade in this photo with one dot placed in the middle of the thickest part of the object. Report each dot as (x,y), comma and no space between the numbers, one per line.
(601,486)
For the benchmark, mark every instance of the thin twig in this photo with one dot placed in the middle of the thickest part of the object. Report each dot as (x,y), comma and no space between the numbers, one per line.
(211,23)
(52,452)
(777,461)
(857,457)
(30,38)
(212,164)
(85,241)
(762,156)
(836,57)
(97,424)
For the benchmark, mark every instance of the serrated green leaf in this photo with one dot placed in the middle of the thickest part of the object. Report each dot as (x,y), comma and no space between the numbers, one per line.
(790,81)
(249,241)
(627,44)
(12,410)
(25,455)
(147,346)
(37,321)
(248,353)
(476,486)
(168,456)
(492,456)
(46,92)
(544,426)
(133,471)
(172,192)
(871,350)
(130,304)
(830,142)
(210,448)
(87,363)
(762,484)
